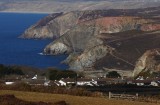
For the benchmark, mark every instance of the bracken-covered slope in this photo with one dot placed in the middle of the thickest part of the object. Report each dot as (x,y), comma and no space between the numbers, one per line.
(113,39)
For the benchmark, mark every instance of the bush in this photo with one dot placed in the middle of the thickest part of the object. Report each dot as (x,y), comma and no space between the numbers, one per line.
(113,74)
(54,74)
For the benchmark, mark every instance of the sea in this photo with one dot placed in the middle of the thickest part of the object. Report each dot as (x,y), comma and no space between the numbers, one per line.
(24,52)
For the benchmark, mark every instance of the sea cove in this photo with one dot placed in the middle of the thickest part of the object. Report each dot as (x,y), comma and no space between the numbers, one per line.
(17,51)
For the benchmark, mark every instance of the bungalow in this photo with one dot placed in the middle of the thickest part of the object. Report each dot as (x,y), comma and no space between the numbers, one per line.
(142,82)
(57,83)
(86,82)
(155,83)
(65,82)
(78,82)
(11,81)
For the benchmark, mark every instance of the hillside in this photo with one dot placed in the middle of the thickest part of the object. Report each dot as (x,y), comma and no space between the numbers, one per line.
(50,6)
(113,39)
(71,100)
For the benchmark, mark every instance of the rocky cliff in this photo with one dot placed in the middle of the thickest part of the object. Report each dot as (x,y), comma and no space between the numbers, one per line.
(148,62)
(120,33)
(57,24)
(99,39)
(42,28)
(78,37)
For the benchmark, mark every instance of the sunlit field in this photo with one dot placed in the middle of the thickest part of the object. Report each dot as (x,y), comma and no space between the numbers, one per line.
(71,100)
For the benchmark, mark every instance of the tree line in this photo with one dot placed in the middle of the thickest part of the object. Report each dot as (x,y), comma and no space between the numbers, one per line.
(9,70)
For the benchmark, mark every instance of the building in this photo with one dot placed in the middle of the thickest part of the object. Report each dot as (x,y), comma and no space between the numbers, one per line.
(86,82)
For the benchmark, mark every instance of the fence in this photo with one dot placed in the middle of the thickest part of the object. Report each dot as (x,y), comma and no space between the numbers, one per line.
(123,96)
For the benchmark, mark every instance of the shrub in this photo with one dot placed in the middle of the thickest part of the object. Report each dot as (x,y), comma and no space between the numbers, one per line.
(113,74)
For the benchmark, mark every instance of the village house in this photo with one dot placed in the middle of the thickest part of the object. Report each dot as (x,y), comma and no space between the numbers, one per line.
(155,83)
(140,81)
(37,80)
(89,81)
(78,82)
(86,82)
(65,82)
(11,81)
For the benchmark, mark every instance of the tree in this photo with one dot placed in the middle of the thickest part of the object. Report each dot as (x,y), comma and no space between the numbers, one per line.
(55,74)
(113,74)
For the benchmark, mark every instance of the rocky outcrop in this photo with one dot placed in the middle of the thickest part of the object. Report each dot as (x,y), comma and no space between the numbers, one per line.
(53,26)
(149,62)
(41,28)
(88,57)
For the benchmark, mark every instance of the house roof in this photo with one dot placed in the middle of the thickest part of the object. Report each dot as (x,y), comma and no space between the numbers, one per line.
(56,83)
(78,79)
(68,80)
(84,79)
(105,79)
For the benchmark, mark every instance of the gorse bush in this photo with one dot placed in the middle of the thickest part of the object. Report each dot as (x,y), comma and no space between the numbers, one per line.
(113,74)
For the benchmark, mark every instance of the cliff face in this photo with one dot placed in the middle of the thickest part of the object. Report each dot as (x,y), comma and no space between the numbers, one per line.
(41,28)
(148,62)
(56,25)
(77,39)
(126,35)
(52,26)
(99,39)
(89,57)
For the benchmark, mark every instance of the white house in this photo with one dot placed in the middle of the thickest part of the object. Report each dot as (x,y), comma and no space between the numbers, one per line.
(155,83)
(86,82)
(64,82)
(9,83)
(35,77)
(78,82)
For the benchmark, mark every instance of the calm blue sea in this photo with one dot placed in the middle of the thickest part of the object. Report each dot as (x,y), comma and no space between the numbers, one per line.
(15,51)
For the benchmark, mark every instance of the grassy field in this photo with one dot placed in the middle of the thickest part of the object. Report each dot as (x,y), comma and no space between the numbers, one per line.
(71,100)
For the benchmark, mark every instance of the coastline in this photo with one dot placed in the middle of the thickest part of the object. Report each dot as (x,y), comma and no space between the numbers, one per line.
(27,12)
